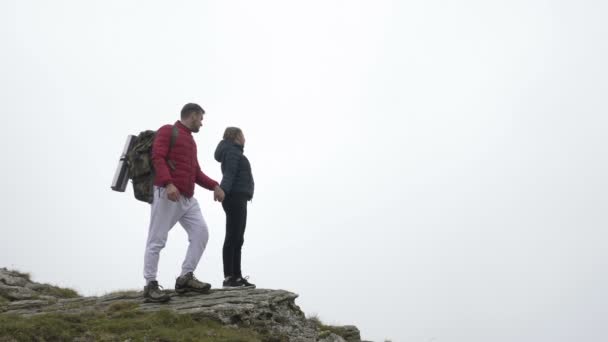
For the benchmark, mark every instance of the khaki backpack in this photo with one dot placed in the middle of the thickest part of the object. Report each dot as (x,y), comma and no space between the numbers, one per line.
(140,167)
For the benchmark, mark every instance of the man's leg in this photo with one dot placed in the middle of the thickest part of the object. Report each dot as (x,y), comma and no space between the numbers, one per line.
(198,235)
(164,215)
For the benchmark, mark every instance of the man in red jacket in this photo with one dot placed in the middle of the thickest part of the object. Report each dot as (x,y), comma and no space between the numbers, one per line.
(176,165)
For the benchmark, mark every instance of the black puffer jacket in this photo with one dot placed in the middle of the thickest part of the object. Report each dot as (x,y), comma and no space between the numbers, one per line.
(236,170)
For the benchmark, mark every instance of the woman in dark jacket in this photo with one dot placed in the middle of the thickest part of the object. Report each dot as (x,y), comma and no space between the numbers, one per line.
(237,183)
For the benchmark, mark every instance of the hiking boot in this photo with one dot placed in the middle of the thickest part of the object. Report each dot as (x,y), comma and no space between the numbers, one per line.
(188,282)
(230,282)
(245,283)
(237,283)
(154,294)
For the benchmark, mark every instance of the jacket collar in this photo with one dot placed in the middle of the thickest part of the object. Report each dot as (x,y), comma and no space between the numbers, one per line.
(232,143)
(182,127)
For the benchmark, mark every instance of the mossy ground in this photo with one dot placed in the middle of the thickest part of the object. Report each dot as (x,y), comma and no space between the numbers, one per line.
(122,321)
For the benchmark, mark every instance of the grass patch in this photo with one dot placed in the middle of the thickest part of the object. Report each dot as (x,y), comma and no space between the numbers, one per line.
(122,306)
(314,319)
(122,322)
(325,330)
(23,275)
(59,292)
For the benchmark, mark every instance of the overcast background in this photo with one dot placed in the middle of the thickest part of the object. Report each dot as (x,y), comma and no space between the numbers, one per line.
(425,170)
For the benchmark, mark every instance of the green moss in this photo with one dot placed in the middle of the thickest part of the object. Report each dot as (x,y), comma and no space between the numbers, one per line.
(122,322)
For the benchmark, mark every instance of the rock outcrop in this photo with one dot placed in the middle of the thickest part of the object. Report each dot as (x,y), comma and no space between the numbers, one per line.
(271,312)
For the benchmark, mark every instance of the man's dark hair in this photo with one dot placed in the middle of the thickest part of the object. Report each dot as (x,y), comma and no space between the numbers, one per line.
(190,108)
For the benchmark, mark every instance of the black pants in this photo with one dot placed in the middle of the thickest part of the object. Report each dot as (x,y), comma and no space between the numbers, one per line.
(235,207)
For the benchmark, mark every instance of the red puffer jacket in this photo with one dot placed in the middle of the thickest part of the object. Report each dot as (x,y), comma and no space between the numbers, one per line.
(183,154)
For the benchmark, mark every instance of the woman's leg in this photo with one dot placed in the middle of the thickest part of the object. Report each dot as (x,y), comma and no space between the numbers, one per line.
(241,223)
(230,239)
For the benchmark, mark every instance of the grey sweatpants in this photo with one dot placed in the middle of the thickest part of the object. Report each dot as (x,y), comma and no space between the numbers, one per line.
(164,215)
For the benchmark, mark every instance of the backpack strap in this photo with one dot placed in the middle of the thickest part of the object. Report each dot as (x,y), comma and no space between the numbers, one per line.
(173,138)
(171,143)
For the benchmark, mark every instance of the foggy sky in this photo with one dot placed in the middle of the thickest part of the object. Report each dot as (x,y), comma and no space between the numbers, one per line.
(425,170)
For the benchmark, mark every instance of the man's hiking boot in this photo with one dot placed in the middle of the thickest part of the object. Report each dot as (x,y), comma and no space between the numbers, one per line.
(237,283)
(153,293)
(188,282)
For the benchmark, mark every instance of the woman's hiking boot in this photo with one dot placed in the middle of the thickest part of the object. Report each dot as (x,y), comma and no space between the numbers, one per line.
(154,294)
(245,283)
(188,282)
(237,283)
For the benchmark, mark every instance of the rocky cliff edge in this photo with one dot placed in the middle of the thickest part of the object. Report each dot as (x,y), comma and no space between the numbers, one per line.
(272,313)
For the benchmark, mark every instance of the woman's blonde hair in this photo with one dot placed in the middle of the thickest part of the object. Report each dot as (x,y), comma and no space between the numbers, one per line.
(231,133)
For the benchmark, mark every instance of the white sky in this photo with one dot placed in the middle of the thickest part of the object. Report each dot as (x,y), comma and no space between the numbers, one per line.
(426,170)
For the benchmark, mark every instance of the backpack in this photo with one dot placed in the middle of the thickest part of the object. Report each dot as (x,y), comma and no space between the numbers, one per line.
(140,167)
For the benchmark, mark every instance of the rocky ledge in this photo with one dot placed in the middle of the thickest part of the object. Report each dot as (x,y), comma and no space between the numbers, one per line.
(271,312)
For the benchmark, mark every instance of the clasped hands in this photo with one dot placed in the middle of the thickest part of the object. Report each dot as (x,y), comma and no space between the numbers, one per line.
(173,193)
